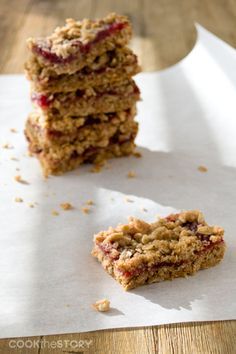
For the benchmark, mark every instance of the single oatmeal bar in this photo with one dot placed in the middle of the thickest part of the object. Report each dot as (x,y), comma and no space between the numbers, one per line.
(100,99)
(78,43)
(176,246)
(93,143)
(113,66)
(84,130)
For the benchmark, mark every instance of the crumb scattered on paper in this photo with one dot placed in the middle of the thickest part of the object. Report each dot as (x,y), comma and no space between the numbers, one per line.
(19,179)
(7,146)
(66,206)
(31,205)
(137,154)
(90,202)
(55,213)
(13,130)
(85,210)
(96,169)
(144,209)
(14,158)
(128,200)
(102,305)
(131,174)
(202,169)
(18,200)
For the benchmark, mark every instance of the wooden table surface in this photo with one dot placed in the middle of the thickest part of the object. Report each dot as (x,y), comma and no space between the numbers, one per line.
(164,34)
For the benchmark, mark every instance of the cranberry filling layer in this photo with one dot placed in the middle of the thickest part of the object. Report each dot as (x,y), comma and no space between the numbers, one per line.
(42,100)
(109,30)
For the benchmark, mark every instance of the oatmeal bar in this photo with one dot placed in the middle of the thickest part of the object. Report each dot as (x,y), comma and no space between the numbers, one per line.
(52,165)
(176,246)
(101,99)
(78,43)
(80,129)
(113,66)
(94,145)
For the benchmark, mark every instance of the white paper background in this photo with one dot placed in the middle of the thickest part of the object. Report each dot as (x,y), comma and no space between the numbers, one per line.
(48,278)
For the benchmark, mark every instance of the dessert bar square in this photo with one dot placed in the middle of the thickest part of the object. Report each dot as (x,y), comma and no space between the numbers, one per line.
(93,128)
(113,66)
(57,164)
(100,99)
(93,143)
(78,43)
(176,246)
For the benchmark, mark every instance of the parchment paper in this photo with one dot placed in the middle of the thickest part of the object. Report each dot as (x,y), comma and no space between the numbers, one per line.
(48,279)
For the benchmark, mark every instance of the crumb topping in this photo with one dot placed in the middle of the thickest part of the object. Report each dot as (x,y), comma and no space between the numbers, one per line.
(65,40)
(176,237)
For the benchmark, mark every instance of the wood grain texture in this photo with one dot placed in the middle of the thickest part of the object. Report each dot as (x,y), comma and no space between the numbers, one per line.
(164,34)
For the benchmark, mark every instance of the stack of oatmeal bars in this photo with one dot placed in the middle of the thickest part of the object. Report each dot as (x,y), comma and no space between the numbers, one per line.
(83,93)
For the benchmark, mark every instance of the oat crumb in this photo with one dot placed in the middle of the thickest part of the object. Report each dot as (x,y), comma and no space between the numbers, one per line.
(19,179)
(90,202)
(31,205)
(13,130)
(144,209)
(66,206)
(7,146)
(202,169)
(96,169)
(137,154)
(128,200)
(55,213)
(85,210)
(102,305)
(14,158)
(131,174)
(18,200)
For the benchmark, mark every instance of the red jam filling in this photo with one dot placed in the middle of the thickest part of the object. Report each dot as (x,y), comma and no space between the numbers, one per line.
(47,54)
(42,100)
